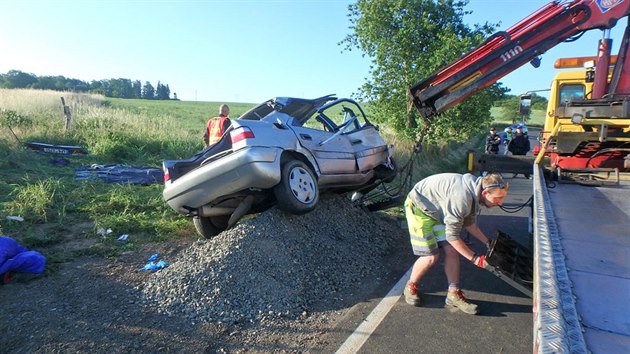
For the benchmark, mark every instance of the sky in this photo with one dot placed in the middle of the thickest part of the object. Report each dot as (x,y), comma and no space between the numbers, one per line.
(226,50)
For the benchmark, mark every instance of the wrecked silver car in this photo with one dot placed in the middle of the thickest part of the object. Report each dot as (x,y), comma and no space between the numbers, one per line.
(282,152)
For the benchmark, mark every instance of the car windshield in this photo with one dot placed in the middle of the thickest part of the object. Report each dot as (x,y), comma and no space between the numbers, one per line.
(344,114)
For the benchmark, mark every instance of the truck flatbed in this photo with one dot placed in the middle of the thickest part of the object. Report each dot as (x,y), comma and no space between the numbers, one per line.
(582,267)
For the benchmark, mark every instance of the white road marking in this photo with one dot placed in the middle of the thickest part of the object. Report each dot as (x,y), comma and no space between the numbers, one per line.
(361,334)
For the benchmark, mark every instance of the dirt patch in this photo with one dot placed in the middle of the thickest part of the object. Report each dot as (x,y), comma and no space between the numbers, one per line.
(275,283)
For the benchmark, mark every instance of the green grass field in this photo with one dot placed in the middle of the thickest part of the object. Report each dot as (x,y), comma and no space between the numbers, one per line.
(537,118)
(62,215)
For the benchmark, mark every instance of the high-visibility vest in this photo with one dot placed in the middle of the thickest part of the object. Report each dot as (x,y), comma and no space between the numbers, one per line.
(215,129)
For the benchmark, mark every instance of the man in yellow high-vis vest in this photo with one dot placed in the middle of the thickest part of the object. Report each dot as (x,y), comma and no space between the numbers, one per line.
(437,209)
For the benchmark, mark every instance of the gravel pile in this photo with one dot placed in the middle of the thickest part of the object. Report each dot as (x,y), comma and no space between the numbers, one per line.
(276,265)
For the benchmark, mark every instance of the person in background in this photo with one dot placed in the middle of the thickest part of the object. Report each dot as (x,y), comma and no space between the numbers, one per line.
(437,208)
(217,126)
(506,138)
(519,145)
(492,142)
(523,128)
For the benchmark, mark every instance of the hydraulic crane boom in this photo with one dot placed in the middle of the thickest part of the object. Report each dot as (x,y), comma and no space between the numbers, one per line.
(505,51)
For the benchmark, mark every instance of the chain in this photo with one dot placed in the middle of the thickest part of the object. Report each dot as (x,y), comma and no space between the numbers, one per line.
(417,149)
(406,172)
(420,137)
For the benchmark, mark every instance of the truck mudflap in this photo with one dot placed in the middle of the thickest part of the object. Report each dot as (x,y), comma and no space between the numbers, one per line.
(511,262)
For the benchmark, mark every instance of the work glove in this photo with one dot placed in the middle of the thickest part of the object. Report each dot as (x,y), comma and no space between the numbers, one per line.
(480,261)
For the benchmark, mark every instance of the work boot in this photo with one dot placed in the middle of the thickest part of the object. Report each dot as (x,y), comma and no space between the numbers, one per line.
(412,297)
(457,299)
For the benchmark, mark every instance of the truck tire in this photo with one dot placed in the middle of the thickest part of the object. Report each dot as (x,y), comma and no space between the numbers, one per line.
(209,227)
(297,193)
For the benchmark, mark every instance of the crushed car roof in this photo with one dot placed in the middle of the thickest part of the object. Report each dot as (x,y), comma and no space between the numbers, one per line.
(295,107)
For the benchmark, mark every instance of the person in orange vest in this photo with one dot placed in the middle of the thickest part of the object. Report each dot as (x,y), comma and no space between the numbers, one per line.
(216,126)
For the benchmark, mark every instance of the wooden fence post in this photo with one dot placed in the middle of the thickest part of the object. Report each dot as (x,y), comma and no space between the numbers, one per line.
(66,112)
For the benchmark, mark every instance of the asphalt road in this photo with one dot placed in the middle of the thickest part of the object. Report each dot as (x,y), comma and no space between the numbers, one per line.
(504,324)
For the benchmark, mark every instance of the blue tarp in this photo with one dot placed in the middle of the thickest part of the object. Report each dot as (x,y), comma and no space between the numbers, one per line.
(121,174)
(17,258)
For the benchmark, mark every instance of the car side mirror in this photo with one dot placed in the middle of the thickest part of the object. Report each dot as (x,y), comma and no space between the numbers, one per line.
(524,105)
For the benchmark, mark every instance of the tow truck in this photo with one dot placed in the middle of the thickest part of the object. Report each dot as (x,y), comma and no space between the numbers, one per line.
(581,188)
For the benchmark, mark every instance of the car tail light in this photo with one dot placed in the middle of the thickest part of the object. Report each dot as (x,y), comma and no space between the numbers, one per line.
(167,176)
(241,133)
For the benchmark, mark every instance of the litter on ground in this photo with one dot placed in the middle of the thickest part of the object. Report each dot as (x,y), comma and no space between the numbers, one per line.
(56,149)
(103,232)
(17,258)
(153,266)
(120,174)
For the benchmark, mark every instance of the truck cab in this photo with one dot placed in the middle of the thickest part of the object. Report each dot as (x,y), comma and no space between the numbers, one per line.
(574,132)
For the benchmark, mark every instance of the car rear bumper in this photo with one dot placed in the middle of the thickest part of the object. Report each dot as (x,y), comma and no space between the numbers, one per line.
(252,167)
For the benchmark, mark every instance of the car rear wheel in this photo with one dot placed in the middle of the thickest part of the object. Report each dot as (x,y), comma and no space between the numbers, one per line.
(209,227)
(297,193)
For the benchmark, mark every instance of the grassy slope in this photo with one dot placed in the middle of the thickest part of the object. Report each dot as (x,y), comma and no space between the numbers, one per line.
(190,115)
(60,211)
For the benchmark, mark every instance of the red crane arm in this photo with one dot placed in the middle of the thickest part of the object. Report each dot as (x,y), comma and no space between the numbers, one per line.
(505,51)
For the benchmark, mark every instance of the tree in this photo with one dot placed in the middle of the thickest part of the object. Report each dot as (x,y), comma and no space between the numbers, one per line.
(18,79)
(137,89)
(163,92)
(148,92)
(100,87)
(167,92)
(407,41)
(119,88)
(50,83)
(76,85)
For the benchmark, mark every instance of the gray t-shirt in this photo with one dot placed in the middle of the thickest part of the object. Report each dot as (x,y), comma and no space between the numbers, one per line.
(451,199)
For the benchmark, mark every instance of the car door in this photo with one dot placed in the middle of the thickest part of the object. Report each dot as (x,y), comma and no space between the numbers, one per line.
(332,150)
(369,148)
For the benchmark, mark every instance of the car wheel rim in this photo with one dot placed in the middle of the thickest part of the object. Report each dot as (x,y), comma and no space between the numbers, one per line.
(302,185)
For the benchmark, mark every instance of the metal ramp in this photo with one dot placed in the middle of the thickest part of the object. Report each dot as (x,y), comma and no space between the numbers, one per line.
(511,262)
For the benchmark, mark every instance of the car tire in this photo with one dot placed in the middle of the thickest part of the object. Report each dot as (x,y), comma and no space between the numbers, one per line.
(297,193)
(208,227)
